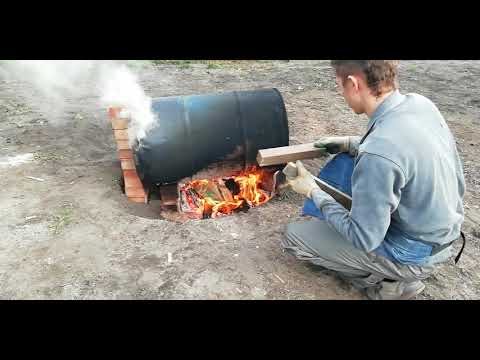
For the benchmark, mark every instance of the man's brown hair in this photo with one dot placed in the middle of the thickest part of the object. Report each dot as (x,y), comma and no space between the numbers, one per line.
(380,75)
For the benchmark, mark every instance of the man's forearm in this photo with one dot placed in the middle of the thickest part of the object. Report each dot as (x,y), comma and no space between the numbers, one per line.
(376,188)
(320,197)
(336,215)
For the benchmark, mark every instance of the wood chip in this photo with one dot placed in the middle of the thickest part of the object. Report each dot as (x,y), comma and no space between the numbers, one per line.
(34,178)
(279,278)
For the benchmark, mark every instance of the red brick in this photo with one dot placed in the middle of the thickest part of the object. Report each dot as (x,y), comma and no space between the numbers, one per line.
(169,194)
(123,145)
(121,134)
(138,199)
(131,179)
(114,112)
(120,124)
(127,164)
(125,154)
(132,192)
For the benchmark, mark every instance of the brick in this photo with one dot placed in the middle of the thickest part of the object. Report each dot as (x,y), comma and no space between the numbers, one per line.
(131,179)
(114,112)
(127,164)
(120,124)
(135,192)
(142,200)
(169,194)
(125,154)
(123,145)
(121,134)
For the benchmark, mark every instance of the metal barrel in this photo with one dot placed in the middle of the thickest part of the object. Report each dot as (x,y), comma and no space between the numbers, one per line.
(196,131)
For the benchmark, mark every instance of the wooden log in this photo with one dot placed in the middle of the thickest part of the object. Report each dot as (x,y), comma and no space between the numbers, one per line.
(226,194)
(285,154)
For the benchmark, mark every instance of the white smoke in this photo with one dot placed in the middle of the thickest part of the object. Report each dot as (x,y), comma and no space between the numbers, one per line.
(119,87)
(58,82)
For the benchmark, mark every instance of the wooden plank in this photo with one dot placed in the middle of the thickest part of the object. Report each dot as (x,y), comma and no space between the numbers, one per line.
(226,194)
(285,154)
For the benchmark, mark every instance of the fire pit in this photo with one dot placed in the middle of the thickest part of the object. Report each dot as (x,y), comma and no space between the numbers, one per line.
(222,196)
(201,156)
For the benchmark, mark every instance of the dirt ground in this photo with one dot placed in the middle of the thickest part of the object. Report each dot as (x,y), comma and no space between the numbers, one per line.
(75,236)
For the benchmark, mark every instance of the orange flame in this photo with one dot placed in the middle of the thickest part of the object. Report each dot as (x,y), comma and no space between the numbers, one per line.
(216,200)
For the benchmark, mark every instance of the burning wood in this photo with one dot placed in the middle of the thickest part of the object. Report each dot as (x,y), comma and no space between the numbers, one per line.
(217,197)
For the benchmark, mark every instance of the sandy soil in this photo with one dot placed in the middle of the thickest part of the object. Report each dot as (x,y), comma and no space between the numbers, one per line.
(75,236)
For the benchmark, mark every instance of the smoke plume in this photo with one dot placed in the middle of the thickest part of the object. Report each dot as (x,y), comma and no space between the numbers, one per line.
(58,82)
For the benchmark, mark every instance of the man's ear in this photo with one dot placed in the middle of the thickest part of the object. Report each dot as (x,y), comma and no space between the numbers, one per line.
(355,82)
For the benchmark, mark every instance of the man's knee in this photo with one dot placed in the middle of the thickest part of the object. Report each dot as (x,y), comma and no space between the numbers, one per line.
(291,231)
(293,243)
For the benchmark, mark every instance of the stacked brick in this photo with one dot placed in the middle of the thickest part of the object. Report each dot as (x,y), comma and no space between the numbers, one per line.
(133,186)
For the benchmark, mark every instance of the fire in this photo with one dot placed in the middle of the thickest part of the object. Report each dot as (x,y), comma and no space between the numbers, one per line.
(222,196)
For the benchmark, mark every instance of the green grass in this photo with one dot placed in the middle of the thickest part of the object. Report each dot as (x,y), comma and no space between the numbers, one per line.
(412,67)
(61,219)
(212,64)
(138,63)
(47,156)
(182,64)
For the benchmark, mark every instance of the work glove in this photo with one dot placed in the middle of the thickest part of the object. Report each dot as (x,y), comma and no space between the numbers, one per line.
(304,182)
(339,144)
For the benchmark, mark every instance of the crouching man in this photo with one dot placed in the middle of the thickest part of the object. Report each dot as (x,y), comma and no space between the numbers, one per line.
(407,189)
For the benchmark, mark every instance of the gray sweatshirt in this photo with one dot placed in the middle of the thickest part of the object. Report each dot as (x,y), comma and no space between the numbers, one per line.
(407,183)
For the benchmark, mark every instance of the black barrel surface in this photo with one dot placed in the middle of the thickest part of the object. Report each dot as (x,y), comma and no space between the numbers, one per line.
(196,131)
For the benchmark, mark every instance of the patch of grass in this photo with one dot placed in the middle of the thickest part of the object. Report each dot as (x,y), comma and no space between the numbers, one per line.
(213,64)
(182,64)
(61,219)
(47,156)
(412,67)
(138,63)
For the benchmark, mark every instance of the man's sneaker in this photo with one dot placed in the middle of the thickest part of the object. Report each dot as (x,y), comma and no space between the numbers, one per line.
(397,290)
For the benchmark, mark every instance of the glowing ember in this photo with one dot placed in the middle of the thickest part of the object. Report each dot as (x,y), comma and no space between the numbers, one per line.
(216,197)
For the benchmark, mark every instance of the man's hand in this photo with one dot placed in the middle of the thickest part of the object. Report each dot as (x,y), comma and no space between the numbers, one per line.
(339,144)
(304,182)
